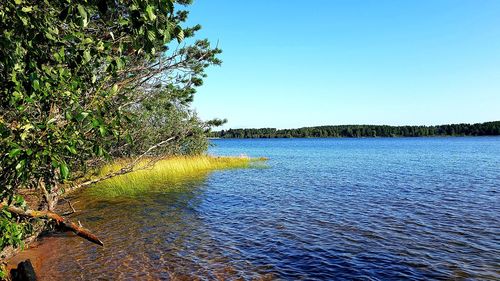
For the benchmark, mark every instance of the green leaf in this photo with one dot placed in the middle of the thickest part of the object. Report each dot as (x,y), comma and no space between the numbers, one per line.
(14,152)
(49,36)
(87,41)
(7,213)
(119,63)
(21,164)
(82,115)
(151,35)
(24,20)
(27,9)
(150,12)
(128,138)
(114,89)
(123,21)
(19,201)
(96,122)
(63,168)
(61,52)
(71,149)
(100,46)
(179,34)
(98,150)
(13,77)
(83,15)
(86,56)
(102,130)
(36,85)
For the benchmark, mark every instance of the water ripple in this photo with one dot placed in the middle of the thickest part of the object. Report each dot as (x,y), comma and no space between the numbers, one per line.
(369,209)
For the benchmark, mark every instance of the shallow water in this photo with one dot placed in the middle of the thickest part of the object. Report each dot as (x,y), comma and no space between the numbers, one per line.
(323,209)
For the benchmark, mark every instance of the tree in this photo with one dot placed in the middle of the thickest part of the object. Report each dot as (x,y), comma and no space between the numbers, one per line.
(79,80)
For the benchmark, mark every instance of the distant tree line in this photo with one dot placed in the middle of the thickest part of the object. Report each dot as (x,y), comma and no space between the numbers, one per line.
(359,131)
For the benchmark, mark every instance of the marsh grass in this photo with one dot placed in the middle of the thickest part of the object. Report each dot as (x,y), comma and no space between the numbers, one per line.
(167,173)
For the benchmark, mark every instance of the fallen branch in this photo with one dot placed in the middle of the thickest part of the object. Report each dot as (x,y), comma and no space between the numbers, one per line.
(60,221)
(71,206)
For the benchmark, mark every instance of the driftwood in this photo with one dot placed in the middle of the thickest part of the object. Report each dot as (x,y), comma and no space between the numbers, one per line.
(60,221)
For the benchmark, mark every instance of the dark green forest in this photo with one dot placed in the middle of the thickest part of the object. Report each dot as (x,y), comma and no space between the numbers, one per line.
(361,131)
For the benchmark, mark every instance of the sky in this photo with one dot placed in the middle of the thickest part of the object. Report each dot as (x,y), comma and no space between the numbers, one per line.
(290,63)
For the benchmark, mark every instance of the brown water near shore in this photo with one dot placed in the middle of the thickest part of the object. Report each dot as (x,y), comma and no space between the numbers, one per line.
(156,236)
(45,255)
(39,253)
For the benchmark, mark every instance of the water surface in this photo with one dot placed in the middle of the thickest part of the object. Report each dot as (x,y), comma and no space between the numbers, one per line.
(323,209)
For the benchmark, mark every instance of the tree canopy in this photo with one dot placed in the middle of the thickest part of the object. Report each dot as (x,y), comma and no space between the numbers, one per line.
(84,81)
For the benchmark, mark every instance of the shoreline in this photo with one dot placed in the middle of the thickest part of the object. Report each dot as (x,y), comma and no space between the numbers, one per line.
(187,166)
(227,217)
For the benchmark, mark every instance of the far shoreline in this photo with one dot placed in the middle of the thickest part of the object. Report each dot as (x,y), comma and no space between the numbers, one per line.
(395,137)
(365,131)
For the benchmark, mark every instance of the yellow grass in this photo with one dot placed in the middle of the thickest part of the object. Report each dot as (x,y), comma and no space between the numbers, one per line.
(166,173)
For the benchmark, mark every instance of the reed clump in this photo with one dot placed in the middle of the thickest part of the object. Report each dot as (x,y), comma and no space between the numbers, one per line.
(164,173)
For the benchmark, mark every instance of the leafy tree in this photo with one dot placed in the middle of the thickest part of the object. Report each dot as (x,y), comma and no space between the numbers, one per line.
(82,81)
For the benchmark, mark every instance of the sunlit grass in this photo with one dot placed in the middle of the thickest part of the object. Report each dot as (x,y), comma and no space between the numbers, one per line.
(165,173)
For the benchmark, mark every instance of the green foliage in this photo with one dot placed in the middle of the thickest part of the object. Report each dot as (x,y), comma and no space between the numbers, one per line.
(3,272)
(74,75)
(356,131)
(11,233)
(12,229)
(163,117)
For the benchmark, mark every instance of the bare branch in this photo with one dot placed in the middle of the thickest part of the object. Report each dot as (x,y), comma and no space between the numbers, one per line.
(125,170)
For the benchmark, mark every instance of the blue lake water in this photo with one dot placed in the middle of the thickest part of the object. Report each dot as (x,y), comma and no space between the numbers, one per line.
(321,209)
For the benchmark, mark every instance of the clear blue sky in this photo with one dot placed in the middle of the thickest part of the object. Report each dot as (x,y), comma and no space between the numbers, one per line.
(291,64)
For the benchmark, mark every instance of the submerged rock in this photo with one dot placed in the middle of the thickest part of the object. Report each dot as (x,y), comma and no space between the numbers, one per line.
(23,272)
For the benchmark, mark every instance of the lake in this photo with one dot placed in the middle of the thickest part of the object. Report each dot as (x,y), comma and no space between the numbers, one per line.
(320,209)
